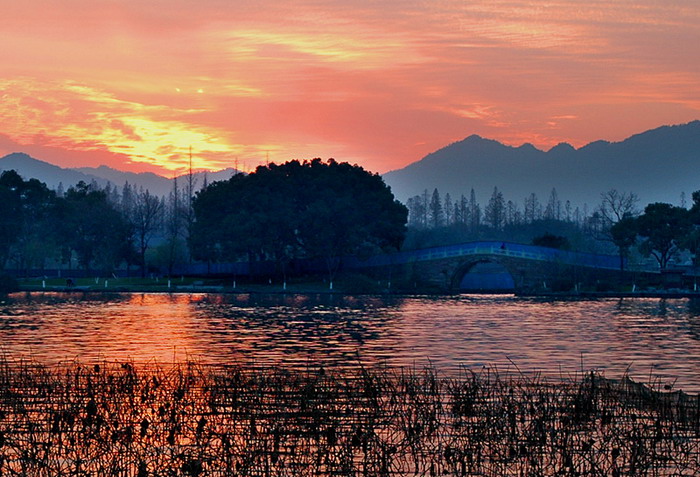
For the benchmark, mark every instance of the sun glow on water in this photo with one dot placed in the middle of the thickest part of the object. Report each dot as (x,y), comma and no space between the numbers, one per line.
(558,339)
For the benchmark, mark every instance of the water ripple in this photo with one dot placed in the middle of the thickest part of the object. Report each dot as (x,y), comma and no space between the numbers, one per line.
(645,337)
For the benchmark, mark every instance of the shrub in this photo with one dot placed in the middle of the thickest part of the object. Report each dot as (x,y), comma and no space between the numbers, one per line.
(552,241)
(8,284)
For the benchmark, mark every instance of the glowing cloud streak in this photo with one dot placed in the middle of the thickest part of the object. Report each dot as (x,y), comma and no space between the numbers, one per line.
(380,84)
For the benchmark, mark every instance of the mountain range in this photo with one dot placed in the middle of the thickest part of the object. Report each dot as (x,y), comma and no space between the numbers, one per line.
(29,167)
(658,165)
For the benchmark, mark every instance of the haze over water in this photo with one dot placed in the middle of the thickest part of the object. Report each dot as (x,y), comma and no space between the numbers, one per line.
(647,337)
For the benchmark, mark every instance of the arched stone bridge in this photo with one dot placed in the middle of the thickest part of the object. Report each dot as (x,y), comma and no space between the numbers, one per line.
(521,267)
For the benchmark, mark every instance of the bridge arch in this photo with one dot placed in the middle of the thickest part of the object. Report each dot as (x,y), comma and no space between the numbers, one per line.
(484,274)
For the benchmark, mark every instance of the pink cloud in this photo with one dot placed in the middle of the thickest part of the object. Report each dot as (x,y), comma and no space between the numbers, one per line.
(136,83)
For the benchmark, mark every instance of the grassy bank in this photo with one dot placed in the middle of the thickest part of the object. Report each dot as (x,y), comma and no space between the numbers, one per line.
(193,420)
(345,285)
(348,285)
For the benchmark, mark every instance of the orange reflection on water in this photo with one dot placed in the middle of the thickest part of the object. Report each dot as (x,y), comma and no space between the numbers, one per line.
(139,327)
(223,329)
(149,327)
(644,337)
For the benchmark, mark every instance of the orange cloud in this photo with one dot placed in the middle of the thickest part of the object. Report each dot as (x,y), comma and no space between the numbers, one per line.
(380,84)
(82,118)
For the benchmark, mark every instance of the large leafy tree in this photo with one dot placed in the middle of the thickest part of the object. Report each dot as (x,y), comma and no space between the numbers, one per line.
(27,220)
(663,228)
(624,235)
(94,229)
(310,209)
(10,213)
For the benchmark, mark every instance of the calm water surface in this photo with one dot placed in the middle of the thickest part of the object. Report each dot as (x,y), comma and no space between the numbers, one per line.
(646,337)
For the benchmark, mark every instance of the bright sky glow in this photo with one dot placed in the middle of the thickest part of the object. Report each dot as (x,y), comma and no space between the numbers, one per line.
(134,84)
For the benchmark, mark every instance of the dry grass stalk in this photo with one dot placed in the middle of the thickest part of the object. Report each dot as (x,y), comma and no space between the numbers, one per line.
(194,420)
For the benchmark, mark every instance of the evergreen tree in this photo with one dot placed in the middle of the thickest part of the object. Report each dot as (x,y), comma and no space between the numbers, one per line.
(495,211)
(416,212)
(127,199)
(174,227)
(437,215)
(474,213)
(531,208)
(188,197)
(425,197)
(512,214)
(624,236)
(449,209)
(28,222)
(464,210)
(553,209)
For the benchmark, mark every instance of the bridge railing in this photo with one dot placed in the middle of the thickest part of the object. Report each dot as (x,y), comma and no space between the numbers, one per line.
(507,249)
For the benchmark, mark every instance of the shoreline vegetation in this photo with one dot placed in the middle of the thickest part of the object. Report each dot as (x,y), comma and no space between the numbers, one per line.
(289,222)
(191,419)
(356,285)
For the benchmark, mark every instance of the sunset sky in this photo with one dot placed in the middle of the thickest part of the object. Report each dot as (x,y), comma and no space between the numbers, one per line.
(133,84)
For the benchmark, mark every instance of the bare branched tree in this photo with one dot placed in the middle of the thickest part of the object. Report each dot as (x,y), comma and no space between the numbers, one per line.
(146,216)
(613,221)
(615,205)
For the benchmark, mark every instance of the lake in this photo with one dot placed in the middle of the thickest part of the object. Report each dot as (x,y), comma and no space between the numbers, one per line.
(651,339)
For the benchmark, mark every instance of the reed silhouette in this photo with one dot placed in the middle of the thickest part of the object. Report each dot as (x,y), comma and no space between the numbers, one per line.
(189,419)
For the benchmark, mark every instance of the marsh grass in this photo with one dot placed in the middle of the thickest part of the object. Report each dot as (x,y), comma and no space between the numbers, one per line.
(119,419)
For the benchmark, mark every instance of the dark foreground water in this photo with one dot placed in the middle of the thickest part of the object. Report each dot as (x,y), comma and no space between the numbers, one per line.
(652,339)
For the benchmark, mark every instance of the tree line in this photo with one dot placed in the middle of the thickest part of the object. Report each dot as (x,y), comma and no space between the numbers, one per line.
(432,211)
(89,227)
(660,231)
(308,209)
(436,219)
(279,213)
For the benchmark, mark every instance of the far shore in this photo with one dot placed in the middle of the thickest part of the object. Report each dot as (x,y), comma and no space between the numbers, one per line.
(319,288)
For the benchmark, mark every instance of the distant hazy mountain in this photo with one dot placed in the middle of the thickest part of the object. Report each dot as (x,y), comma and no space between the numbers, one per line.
(29,167)
(154,183)
(157,185)
(657,165)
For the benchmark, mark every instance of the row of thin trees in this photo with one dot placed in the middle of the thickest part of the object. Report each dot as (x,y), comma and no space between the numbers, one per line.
(103,229)
(431,211)
(92,228)
(663,233)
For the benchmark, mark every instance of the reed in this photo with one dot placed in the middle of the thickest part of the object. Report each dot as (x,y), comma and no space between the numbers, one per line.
(189,419)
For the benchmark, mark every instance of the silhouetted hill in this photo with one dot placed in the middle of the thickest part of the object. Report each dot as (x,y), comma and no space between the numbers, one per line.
(154,183)
(657,165)
(29,167)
